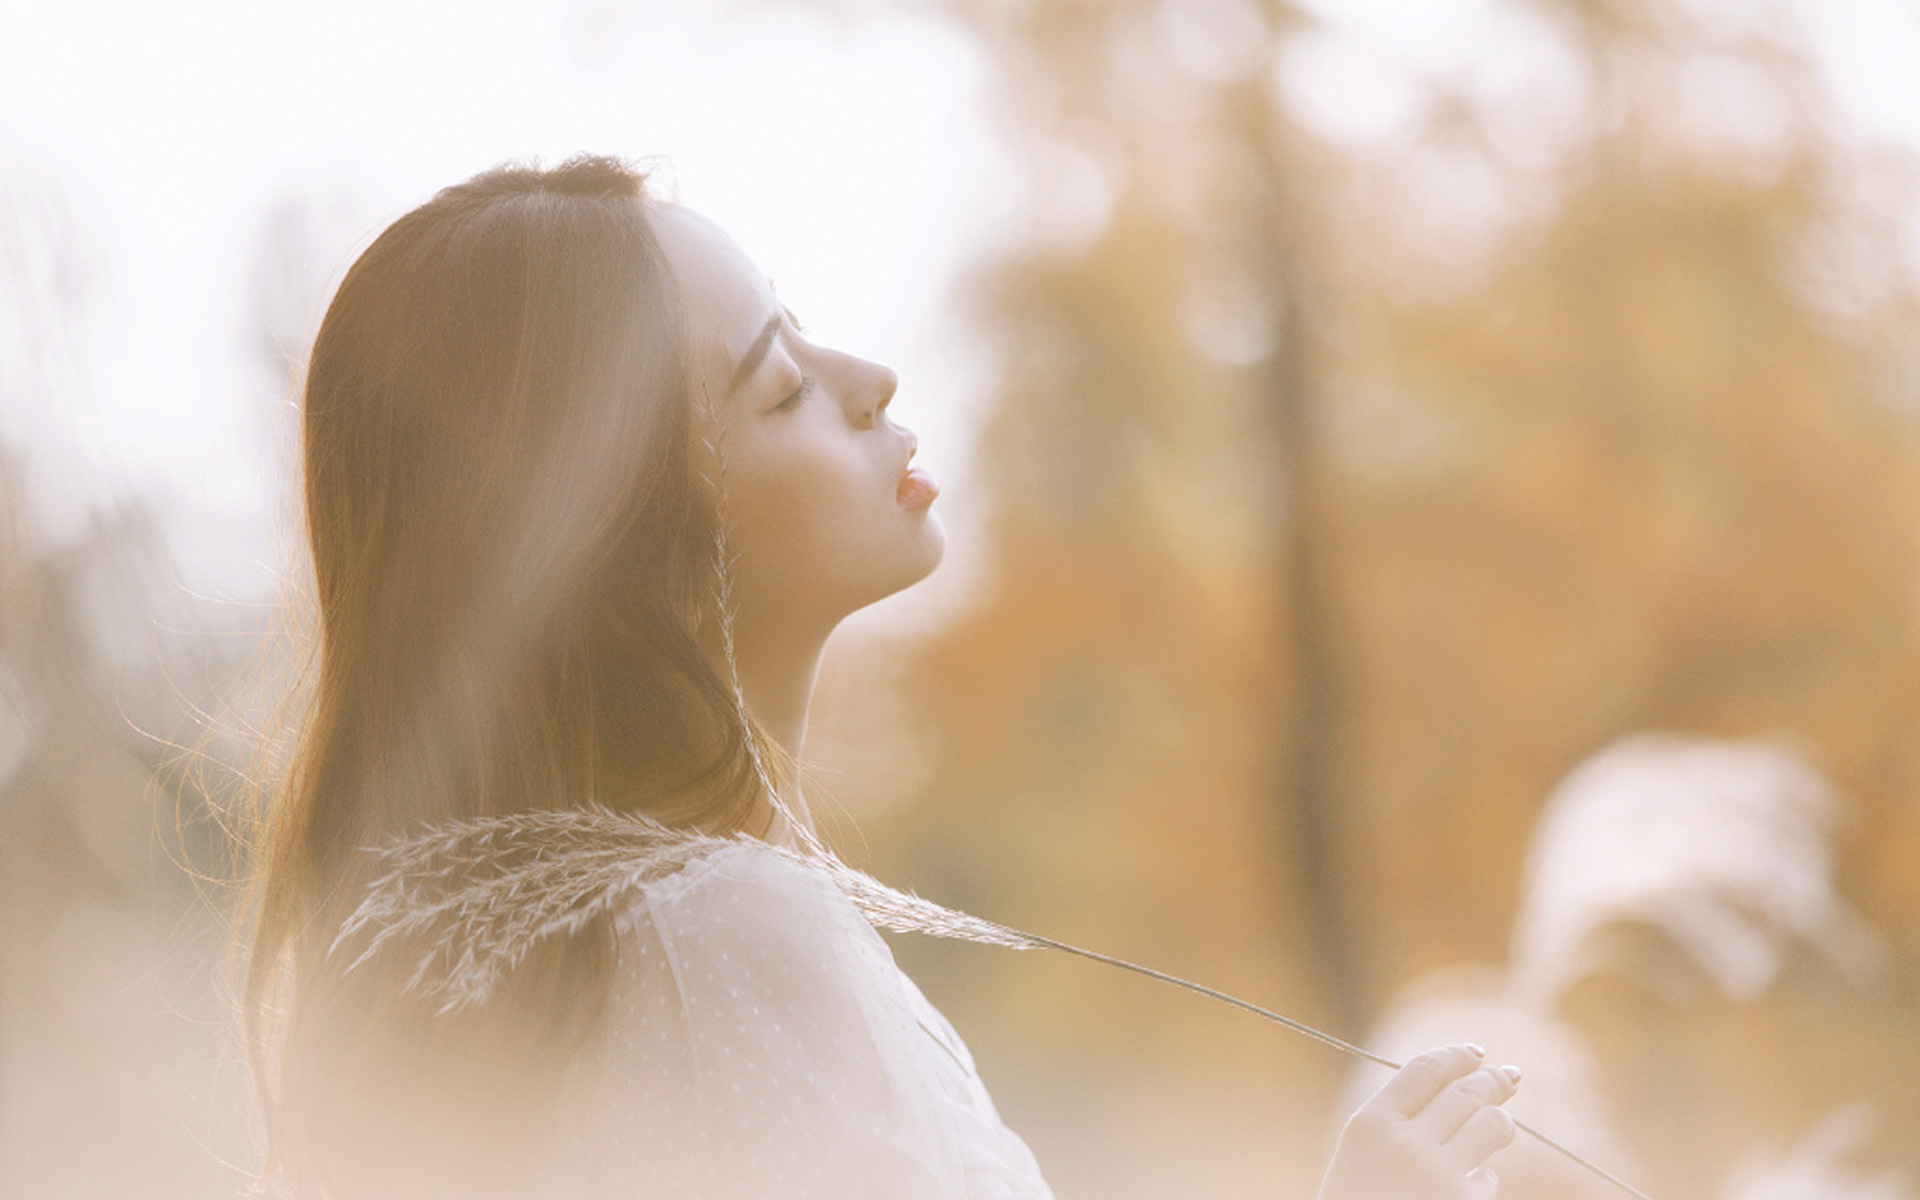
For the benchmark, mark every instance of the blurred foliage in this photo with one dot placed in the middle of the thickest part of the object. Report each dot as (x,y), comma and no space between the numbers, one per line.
(1347,492)
(116,1075)
(1288,464)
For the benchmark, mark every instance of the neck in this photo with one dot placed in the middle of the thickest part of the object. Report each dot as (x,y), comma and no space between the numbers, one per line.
(776,681)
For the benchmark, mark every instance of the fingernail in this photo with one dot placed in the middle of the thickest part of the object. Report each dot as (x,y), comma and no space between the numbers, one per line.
(1478,1050)
(1512,1073)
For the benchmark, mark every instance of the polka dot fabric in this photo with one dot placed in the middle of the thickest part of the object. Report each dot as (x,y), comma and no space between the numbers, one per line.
(760,1042)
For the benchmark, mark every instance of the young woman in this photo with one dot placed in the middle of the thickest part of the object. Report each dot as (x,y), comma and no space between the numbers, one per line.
(540,908)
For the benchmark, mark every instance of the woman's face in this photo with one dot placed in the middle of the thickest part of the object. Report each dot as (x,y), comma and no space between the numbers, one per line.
(823,514)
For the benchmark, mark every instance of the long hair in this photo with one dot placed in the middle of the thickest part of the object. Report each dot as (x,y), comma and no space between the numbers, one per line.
(513,558)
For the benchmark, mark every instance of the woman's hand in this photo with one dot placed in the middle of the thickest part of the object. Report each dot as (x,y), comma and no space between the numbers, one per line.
(1427,1133)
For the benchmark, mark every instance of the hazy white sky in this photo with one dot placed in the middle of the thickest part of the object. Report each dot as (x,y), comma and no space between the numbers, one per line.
(852,160)
(855,160)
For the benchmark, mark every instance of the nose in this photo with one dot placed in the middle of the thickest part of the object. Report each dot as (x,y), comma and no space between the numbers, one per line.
(873,391)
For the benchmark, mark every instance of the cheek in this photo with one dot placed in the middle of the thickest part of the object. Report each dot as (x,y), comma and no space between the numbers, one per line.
(815,529)
(783,485)
(797,504)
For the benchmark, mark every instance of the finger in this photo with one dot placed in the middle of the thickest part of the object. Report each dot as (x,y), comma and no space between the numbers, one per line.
(1414,1086)
(1482,1184)
(1465,1096)
(1486,1131)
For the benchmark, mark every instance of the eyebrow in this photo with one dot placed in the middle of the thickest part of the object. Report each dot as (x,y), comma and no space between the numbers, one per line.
(750,361)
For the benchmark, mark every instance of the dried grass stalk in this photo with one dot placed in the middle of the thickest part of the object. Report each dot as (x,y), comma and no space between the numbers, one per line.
(478,895)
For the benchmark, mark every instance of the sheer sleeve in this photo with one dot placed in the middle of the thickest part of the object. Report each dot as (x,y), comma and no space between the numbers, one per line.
(760,1042)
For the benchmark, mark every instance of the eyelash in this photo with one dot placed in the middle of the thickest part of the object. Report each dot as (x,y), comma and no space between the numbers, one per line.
(800,393)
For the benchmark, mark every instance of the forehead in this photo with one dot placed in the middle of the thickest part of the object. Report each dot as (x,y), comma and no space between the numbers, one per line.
(728,298)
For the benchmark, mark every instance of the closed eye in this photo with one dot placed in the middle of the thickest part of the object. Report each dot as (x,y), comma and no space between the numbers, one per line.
(798,395)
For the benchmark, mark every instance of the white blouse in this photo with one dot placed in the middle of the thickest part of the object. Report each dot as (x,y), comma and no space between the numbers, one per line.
(759,1041)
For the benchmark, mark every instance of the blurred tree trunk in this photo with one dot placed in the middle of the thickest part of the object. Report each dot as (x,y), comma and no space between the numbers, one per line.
(1306,800)
(1099,333)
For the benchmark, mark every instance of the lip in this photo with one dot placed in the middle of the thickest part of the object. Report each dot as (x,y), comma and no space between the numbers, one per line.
(917,489)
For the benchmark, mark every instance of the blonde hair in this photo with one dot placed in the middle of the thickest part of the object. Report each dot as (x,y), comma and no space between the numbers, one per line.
(514,562)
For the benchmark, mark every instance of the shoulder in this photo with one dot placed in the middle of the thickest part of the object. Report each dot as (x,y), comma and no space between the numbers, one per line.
(746,871)
(757,1040)
(748,902)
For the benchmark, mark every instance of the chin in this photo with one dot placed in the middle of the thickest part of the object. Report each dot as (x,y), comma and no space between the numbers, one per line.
(933,540)
(915,562)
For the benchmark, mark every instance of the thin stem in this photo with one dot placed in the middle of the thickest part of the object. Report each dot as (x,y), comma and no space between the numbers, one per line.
(1297,1026)
(714,436)
(1325,1039)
